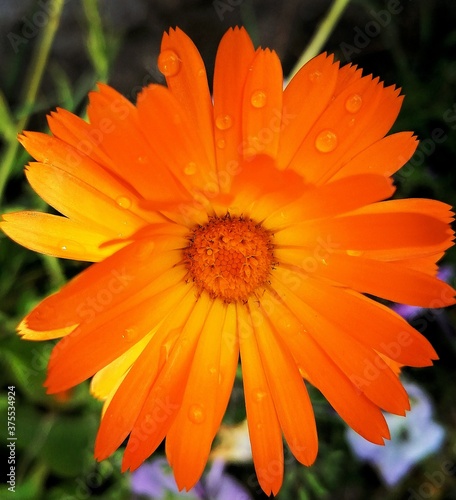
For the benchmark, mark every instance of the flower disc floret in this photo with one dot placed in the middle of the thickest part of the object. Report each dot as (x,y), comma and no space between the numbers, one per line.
(229,257)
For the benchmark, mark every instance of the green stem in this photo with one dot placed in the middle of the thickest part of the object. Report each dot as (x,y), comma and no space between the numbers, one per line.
(31,86)
(321,35)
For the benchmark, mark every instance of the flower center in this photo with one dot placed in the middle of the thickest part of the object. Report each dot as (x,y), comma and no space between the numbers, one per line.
(229,257)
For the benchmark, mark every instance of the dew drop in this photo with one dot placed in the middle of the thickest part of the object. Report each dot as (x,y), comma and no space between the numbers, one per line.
(169,63)
(258,99)
(190,168)
(129,334)
(223,122)
(315,76)
(221,143)
(70,246)
(259,426)
(290,324)
(202,73)
(124,202)
(326,141)
(196,414)
(259,395)
(142,159)
(212,370)
(353,103)
(354,253)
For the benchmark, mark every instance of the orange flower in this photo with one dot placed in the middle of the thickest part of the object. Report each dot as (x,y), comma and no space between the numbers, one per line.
(249,224)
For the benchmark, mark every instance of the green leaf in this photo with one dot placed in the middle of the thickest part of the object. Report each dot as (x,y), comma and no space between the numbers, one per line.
(68,450)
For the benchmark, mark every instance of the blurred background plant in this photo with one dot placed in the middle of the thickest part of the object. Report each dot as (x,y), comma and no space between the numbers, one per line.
(52,52)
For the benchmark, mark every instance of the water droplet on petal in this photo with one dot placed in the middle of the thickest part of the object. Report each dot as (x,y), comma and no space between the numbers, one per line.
(221,143)
(315,76)
(354,253)
(70,246)
(142,159)
(169,63)
(259,426)
(259,395)
(353,103)
(212,370)
(201,72)
(196,414)
(129,334)
(258,99)
(124,202)
(289,324)
(223,122)
(326,141)
(190,168)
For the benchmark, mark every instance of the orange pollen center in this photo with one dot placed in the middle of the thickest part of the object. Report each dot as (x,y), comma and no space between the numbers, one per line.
(229,257)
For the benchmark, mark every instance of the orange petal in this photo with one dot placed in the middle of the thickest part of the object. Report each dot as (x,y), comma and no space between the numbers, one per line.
(28,334)
(82,202)
(389,334)
(306,96)
(105,381)
(164,399)
(346,127)
(175,142)
(293,406)
(81,136)
(384,157)
(105,285)
(388,280)
(346,76)
(97,343)
(234,57)
(124,409)
(386,235)
(57,236)
(264,429)
(362,365)
(349,402)
(331,199)
(262,106)
(183,67)
(198,409)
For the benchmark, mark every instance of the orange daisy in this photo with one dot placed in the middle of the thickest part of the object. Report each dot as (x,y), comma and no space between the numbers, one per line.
(250,224)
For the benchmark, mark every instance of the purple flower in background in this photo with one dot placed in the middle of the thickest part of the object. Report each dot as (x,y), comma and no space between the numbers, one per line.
(155,480)
(412,439)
